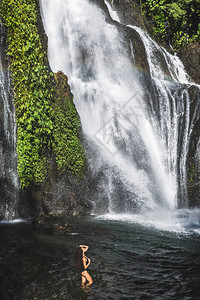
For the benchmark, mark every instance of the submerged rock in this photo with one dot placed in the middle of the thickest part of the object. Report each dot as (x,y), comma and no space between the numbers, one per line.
(53,224)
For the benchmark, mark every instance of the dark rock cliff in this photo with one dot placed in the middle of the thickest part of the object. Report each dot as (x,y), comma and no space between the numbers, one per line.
(194,151)
(190,56)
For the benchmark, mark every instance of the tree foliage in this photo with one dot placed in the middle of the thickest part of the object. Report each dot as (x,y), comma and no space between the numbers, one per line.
(178,22)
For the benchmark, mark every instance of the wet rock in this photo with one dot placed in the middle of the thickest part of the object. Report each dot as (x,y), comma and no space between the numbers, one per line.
(193,162)
(190,56)
(130,12)
(52,223)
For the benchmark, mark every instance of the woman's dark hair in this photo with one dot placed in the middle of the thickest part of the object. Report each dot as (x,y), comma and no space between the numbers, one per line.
(78,259)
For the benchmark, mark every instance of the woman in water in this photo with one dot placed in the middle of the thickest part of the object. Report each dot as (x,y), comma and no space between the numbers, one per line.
(82,262)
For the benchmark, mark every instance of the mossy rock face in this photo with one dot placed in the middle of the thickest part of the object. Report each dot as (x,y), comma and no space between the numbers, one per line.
(66,145)
(32,89)
(49,148)
(62,86)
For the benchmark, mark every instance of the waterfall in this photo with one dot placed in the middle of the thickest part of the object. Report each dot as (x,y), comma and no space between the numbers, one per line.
(174,109)
(137,121)
(8,158)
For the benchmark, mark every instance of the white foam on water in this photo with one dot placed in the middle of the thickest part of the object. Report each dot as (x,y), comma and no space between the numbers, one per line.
(179,221)
(15,221)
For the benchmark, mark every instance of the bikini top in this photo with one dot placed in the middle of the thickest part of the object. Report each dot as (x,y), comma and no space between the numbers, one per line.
(87,259)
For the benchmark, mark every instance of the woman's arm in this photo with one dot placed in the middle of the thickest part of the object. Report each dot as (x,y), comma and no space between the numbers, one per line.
(89,261)
(85,260)
(84,246)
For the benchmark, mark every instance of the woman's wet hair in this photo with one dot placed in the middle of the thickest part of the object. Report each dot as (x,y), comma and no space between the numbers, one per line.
(78,259)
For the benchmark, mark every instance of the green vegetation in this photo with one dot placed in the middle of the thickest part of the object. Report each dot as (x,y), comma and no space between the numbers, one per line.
(43,127)
(178,22)
(66,143)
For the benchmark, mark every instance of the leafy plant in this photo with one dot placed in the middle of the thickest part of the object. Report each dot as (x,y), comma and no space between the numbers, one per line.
(177,22)
(70,154)
(40,126)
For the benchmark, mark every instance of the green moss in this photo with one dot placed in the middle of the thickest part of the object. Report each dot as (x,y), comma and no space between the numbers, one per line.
(66,144)
(41,123)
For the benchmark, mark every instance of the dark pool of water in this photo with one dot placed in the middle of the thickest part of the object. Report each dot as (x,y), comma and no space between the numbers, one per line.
(128,262)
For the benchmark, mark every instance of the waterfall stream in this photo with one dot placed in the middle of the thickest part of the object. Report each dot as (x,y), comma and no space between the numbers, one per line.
(8,158)
(137,120)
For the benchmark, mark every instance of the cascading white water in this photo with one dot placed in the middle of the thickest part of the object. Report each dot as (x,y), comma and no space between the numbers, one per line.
(139,148)
(171,114)
(8,158)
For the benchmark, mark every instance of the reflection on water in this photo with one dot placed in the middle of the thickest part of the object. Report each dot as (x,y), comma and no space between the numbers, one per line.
(128,262)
